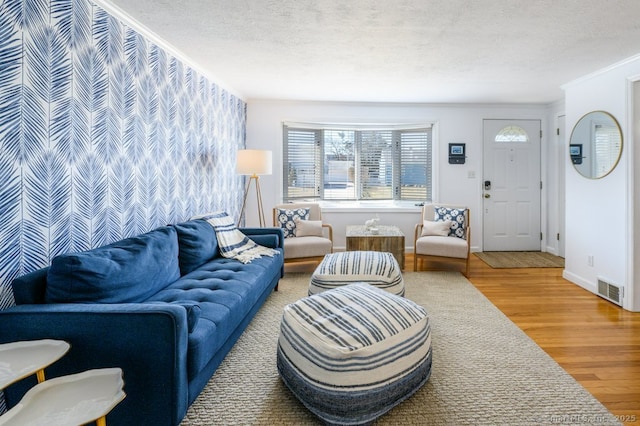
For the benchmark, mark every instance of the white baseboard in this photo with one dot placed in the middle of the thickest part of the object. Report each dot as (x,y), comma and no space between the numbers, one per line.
(578,280)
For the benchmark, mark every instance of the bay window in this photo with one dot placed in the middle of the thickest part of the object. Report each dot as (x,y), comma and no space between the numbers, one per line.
(326,162)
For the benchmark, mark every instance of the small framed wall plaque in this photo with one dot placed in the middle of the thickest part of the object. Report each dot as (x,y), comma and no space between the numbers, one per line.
(457,153)
(575,151)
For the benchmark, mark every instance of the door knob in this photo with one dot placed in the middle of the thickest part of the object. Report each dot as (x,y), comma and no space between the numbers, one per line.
(487,195)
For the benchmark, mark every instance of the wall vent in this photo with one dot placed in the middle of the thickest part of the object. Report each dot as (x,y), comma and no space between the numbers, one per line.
(610,291)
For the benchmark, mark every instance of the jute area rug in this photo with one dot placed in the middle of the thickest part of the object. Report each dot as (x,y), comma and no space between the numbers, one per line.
(520,259)
(486,371)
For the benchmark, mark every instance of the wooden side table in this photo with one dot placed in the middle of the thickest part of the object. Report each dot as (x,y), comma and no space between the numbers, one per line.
(388,239)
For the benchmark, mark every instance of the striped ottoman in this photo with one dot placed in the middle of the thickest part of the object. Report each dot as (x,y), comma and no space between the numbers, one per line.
(353,353)
(379,269)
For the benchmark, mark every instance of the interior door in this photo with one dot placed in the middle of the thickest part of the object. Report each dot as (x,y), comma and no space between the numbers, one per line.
(511,185)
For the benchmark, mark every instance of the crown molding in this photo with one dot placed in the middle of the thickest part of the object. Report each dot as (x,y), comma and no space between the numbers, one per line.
(153,37)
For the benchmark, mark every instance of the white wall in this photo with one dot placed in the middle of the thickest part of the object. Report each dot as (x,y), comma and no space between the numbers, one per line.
(599,213)
(455,184)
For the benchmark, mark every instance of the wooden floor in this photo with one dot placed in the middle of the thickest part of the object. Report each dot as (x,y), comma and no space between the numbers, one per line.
(595,341)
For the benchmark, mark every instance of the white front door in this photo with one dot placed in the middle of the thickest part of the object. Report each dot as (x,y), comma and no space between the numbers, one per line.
(511,185)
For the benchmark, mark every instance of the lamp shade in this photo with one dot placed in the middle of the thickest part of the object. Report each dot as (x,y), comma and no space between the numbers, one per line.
(253,162)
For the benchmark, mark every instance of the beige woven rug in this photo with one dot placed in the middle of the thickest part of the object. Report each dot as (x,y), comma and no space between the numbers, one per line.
(486,371)
(520,259)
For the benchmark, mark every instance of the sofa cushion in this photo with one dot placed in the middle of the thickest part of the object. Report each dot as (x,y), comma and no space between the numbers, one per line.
(309,228)
(440,228)
(442,246)
(197,244)
(270,240)
(129,270)
(226,291)
(286,219)
(295,248)
(457,218)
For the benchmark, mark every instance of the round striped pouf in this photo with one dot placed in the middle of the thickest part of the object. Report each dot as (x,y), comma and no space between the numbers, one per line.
(353,353)
(379,269)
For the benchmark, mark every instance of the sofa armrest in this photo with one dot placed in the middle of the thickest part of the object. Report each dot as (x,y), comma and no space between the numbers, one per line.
(417,232)
(148,341)
(268,237)
(330,230)
(30,288)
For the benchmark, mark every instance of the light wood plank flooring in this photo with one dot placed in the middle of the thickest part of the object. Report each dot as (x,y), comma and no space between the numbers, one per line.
(595,341)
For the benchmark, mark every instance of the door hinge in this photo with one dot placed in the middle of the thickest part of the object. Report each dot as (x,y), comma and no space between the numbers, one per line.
(558,236)
(541,236)
(540,184)
(558,131)
(540,134)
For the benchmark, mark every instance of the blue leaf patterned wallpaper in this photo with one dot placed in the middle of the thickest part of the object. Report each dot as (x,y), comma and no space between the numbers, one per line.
(103,135)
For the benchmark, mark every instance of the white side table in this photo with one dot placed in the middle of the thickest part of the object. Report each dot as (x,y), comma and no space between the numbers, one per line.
(22,359)
(75,399)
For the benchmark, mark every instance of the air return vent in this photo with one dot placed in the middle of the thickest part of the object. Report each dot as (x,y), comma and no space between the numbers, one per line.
(610,291)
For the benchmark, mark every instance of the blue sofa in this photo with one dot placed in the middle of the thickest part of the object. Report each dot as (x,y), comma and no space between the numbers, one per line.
(163,306)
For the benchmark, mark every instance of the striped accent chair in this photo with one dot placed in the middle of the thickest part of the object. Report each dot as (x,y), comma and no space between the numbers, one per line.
(353,353)
(379,269)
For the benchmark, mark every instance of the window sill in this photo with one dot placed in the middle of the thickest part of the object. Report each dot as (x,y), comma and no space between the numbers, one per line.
(370,206)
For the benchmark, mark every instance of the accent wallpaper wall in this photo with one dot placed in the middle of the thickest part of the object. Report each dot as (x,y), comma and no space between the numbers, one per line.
(103,135)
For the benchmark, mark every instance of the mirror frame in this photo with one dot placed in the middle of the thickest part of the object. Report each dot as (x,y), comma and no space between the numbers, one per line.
(575,143)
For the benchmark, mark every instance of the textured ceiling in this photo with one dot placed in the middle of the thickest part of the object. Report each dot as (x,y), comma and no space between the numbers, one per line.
(436,51)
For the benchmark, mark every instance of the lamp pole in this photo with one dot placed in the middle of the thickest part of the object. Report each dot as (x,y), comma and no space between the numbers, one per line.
(258,198)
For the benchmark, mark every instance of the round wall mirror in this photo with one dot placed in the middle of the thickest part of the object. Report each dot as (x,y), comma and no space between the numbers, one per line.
(595,145)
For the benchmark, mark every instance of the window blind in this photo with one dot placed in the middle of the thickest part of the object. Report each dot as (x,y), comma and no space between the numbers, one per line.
(302,163)
(415,165)
(339,150)
(376,164)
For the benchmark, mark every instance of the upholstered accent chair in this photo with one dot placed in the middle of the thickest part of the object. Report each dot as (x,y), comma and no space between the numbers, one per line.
(307,238)
(443,235)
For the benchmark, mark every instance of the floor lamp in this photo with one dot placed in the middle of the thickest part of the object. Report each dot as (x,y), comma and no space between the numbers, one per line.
(253,162)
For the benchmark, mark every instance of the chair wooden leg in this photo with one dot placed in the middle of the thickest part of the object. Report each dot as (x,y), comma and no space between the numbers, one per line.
(415,262)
